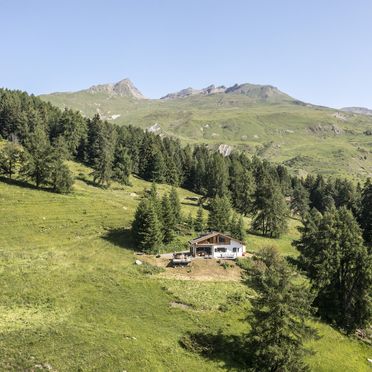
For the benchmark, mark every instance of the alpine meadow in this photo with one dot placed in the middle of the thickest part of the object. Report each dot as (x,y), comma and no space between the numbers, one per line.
(225,228)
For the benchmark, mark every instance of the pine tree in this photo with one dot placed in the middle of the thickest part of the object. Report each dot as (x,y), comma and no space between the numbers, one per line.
(158,167)
(73,127)
(339,268)
(242,187)
(300,200)
(271,217)
(219,214)
(60,177)
(104,154)
(122,165)
(175,204)
(37,157)
(190,222)
(199,221)
(217,176)
(240,230)
(233,225)
(146,227)
(278,319)
(365,216)
(10,159)
(168,220)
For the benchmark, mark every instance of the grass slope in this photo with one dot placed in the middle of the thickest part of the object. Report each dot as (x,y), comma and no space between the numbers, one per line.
(306,138)
(72,299)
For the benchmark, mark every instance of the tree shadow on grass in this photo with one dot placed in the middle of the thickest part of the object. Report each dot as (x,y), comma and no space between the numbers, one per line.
(230,349)
(91,183)
(24,184)
(121,238)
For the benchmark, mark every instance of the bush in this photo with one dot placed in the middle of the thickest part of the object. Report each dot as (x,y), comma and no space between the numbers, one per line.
(149,269)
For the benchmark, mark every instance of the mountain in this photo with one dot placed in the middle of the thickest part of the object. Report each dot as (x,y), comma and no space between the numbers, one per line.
(123,88)
(358,110)
(191,92)
(258,119)
(257,93)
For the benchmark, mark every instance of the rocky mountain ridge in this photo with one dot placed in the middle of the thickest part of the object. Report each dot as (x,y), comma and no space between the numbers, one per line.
(122,88)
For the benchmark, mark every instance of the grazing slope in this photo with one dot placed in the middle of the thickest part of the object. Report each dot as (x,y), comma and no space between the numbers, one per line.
(259,119)
(72,299)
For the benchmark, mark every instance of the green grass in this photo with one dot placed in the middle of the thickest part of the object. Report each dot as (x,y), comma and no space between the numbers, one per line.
(72,297)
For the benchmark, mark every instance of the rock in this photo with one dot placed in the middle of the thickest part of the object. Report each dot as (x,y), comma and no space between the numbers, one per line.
(224,149)
(122,88)
(154,128)
(138,262)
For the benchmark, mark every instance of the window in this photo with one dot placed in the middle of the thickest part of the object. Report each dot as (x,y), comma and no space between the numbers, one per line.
(220,250)
(235,249)
(221,239)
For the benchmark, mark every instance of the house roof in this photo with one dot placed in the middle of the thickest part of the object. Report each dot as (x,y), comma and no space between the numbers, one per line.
(210,235)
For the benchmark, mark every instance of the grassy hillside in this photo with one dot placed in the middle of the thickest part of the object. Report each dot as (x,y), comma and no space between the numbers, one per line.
(72,299)
(304,137)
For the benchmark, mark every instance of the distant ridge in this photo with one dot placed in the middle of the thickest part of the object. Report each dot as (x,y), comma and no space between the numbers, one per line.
(254,91)
(358,110)
(123,88)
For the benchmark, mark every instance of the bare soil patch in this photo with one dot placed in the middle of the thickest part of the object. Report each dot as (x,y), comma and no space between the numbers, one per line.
(199,269)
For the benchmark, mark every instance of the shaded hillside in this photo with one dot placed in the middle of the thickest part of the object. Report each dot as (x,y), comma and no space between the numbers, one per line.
(259,119)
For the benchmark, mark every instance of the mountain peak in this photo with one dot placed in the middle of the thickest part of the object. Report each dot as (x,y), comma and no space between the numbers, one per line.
(253,91)
(123,88)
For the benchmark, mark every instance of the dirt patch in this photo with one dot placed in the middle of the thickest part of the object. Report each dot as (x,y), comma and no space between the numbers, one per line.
(200,269)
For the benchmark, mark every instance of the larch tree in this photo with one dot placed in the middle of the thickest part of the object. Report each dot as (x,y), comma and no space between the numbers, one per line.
(278,317)
(199,221)
(365,215)
(219,214)
(146,227)
(339,267)
(175,205)
(10,159)
(37,157)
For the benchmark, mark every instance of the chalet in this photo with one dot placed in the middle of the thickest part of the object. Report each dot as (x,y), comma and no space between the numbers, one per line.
(217,245)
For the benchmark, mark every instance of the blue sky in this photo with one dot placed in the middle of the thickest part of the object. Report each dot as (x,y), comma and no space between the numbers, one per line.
(319,51)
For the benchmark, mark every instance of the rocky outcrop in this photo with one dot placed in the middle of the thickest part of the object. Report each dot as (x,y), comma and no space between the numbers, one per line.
(192,92)
(123,88)
(256,92)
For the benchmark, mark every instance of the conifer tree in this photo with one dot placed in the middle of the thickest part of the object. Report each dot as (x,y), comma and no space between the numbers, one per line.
(233,225)
(199,221)
(278,319)
(190,222)
(217,176)
(60,176)
(175,205)
(365,216)
(157,167)
(146,227)
(240,229)
(104,154)
(219,214)
(339,267)
(300,200)
(168,219)
(10,159)
(272,213)
(37,157)
(122,165)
